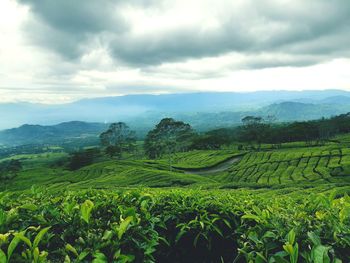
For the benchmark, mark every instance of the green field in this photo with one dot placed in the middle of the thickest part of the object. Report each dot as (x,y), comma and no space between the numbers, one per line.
(283,225)
(268,167)
(275,205)
(199,159)
(289,166)
(108,174)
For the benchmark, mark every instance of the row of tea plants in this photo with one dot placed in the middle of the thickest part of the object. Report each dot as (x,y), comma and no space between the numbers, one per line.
(150,225)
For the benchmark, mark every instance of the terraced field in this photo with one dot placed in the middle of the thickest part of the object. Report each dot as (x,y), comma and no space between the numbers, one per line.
(285,205)
(108,174)
(292,165)
(299,165)
(199,158)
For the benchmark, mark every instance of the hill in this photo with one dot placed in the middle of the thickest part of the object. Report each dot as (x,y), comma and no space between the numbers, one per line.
(39,134)
(266,202)
(294,164)
(144,110)
(297,111)
(202,121)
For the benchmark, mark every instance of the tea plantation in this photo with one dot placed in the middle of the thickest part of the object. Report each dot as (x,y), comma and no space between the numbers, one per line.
(289,204)
(289,225)
(292,165)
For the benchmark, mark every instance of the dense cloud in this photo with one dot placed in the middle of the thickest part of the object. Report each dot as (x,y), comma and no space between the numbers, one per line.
(62,50)
(70,27)
(315,28)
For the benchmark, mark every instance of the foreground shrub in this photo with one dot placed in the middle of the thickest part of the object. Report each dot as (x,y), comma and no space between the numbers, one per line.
(174,226)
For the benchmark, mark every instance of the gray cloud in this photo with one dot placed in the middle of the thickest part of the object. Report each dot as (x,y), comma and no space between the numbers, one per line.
(70,28)
(76,17)
(318,29)
(145,89)
(315,27)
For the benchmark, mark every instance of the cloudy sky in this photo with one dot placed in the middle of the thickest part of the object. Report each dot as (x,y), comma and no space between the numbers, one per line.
(58,51)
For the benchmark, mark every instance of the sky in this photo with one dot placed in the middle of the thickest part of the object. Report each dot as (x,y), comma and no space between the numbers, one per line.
(60,51)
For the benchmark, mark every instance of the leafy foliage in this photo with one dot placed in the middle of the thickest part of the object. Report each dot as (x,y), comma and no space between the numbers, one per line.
(167,137)
(117,139)
(175,225)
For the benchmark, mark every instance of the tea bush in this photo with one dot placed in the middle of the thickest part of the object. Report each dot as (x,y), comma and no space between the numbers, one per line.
(158,225)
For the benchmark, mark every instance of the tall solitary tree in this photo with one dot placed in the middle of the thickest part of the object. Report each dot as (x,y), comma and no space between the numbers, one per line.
(254,129)
(117,139)
(168,136)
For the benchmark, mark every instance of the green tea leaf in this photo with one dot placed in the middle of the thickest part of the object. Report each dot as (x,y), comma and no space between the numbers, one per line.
(83,255)
(100,258)
(14,243)
(291,237)
(70,248)
(40,236)
(253,217)
(3,258)
(320,254)
(31,207)
(24,239)
(36,255)
(123,226)
(314,238)
(86,209)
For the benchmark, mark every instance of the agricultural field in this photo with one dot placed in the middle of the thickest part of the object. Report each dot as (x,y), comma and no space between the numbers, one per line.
(107,174)
(38,159)
(323,164)
(274,205)
(293,225)
(290,166)
(199,158)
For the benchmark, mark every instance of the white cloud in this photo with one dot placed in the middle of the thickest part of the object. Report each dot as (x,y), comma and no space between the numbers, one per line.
(172,46)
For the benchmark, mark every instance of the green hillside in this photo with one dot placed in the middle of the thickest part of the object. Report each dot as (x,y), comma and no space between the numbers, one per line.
(288,166)
(284,204)
(324,164)
(108,174)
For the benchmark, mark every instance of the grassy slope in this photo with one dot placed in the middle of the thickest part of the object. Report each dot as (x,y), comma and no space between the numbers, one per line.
(281,167)
(294,165)
(109,174)
(293,202)
(199,158)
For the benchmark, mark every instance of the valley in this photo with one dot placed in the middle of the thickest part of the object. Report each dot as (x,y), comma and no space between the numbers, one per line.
(259,192)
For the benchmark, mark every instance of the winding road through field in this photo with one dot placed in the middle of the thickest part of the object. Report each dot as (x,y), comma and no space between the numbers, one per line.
(220,167)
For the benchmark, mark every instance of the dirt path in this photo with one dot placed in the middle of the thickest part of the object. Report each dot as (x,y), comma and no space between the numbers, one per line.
(223,166)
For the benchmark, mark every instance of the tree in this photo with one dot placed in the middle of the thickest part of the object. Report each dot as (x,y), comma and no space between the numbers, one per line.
(254,130)
(83,158)
(213,140)
(118,139)
(168,136)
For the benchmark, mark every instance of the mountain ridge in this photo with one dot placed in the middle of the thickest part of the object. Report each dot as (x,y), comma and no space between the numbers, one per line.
(286,111)
(124,108)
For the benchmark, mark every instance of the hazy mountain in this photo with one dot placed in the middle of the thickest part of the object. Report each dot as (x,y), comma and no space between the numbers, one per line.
(31,134)
(127,108)
(201,121)
(297,111)
(336,100)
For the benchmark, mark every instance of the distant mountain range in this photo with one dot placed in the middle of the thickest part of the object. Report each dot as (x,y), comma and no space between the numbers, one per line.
(39,134)
(297,111)
(149,108)
(202,118)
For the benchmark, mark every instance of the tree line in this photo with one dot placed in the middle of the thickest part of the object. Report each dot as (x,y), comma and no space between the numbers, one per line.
(170,136)
(256,129)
